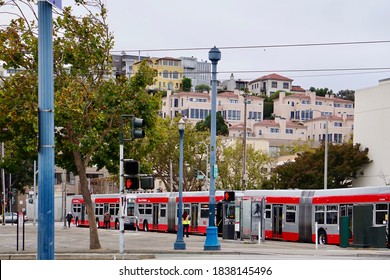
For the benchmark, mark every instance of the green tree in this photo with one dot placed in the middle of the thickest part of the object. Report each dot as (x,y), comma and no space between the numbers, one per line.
(187,84)
(321,91)
(230,166)
(88,105)
(167,153)
(345,161)
(346,94)
(202,88)
(221,126)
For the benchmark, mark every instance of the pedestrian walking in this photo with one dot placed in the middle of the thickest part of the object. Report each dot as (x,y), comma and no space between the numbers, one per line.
(69,218)
(107,218)
(186,223)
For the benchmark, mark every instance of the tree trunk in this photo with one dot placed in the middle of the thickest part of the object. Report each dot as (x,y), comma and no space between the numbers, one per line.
(94,242)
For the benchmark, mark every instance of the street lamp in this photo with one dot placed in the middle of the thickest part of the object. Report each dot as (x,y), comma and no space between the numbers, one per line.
(179,243)
(212,242)
(207,161)
(326,149)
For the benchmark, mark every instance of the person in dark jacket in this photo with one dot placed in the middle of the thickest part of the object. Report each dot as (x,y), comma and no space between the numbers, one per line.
(69,218)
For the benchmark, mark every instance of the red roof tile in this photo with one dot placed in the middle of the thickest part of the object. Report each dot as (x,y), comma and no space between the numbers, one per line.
(272,76)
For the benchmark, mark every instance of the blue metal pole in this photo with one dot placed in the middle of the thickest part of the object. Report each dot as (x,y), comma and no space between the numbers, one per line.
(212,242)
(45,250)
(179,243)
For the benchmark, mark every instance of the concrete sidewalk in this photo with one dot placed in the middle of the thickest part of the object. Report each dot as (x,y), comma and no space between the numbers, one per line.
(73,243)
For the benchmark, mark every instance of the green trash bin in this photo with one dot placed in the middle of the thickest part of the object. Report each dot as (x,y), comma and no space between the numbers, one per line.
(344,231)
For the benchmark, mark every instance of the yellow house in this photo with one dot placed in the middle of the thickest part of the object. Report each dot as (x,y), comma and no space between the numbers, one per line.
(170,73)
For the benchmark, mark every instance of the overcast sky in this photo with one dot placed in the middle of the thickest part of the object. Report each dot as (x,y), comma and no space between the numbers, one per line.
(154,24)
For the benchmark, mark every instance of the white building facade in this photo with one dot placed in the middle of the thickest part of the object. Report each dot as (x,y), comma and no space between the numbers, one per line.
(372,131)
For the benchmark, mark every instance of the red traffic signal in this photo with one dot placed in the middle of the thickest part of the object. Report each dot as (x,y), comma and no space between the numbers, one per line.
(228,196)
(131,183)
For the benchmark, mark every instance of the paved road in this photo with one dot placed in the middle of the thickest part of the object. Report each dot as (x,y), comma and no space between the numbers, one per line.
(73,243)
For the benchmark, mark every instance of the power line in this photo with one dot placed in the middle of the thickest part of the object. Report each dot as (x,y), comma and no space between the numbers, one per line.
(260,46)
(307,70)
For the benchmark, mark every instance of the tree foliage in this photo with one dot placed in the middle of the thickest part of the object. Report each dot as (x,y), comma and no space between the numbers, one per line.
(202,88)
(230,166)
(167,154)
(89,103)
(321,91)
(346,94)
(187,84)
(221,126)
(345,161)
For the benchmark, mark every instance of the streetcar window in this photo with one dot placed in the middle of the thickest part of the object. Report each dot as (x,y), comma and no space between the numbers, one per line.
(163,210)
(332,214)
(319,217)
(380,214)
(130,209)
(331,218)
(99,209)
(204,210)
(148,210)
(267,211)
(290,213)
(141,209)
(76,208)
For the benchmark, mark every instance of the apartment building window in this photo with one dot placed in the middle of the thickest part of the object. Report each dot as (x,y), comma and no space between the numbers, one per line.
(274,130)
(338,124)
(305,102)
(289,131)
(318,102)
(254,115)
(194,114)
(233,101)
(337,105)
(286,85)
(165,74)
(338,137)
(203,113)
(274,84)
(204,100)
(175,75)
(306,115)
(176,103)
(260,132)
(234,115)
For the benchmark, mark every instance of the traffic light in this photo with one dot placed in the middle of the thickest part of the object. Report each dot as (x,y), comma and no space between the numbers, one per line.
(132,182)
(147,182)
(131,167)
(228,196)
(137,125)
(130,173)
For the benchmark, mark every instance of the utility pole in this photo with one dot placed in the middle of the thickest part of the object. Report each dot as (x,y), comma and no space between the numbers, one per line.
(244,175)
(3,183)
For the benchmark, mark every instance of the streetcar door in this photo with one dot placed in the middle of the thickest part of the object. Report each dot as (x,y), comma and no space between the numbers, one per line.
(346,210)
(194,216)
(277,220)
(155,215)
(83,212)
